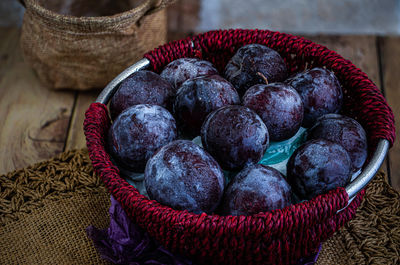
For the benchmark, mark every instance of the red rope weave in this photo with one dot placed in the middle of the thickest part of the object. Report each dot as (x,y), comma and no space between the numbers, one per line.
(277,237)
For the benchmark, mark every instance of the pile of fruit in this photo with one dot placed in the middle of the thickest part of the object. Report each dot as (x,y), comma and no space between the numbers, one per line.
(254,104)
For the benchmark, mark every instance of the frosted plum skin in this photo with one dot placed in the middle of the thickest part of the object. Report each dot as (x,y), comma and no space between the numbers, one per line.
(184,176)
(318,166)
(346,132)
(197,97)
(279,106)
(142,87)
(243,68)
(138,132)
(320,91)
(180,70)
(235,136)
(257,188)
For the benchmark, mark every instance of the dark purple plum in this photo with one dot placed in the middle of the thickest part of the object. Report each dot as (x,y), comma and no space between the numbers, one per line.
(185,177)
(279,106)
(344,131)
(138,132)
(318,166)
(180,70)
(320,91)
(235,136)
(142,87)
(252,64)
(257,188)
(197,97)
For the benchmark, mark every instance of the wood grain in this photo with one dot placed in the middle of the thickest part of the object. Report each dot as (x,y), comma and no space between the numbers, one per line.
(76,138)
(34,119)
(390,58)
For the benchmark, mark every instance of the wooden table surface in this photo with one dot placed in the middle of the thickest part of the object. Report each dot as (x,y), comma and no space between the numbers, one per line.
(38,123)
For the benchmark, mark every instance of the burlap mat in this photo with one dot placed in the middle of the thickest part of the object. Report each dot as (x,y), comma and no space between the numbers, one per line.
(45,208)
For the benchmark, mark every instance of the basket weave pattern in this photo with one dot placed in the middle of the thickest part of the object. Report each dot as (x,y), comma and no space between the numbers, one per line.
(277,237)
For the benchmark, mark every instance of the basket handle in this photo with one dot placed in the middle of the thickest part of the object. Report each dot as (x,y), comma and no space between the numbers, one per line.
(111,87)
(370,170)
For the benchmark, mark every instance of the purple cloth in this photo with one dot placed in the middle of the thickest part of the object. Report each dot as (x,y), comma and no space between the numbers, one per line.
(126,243)
(310,260)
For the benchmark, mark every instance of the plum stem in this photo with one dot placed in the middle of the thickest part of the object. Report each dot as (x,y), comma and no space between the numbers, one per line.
(263,77)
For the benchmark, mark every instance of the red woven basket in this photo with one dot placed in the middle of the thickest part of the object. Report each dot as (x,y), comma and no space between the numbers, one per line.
(278,237)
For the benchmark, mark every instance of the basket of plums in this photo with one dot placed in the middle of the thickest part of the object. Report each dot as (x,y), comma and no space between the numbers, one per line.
(240,146)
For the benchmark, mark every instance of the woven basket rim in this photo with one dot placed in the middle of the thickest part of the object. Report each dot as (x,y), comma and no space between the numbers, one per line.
(90,22)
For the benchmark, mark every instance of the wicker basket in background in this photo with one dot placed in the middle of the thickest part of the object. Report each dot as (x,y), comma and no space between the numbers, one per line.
(71,48)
